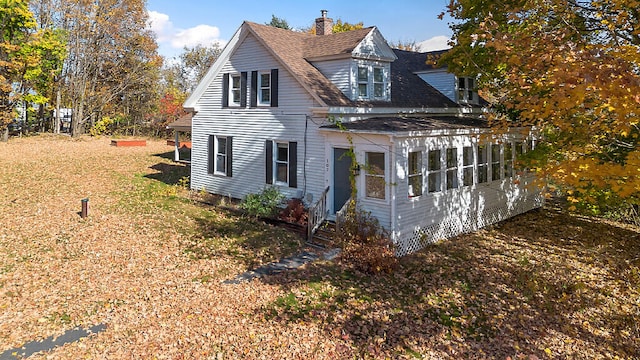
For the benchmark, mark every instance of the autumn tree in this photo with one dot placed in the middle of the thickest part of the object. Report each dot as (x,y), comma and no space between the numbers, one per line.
(112,66)
(571,69)
(16,25)
(338,27)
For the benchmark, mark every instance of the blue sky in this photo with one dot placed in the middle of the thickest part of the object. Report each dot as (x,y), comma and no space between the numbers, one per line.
(179,23)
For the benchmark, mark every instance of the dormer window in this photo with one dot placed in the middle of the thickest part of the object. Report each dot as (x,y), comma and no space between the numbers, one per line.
(466,90)
(372,82)
(363,82)
(378,82)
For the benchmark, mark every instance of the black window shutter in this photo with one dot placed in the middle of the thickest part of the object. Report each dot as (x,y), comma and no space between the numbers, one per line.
(225,90)
(243,89)
(254,89)
(212,155)
(293,164)
(268,145)
(229,155)
(274,87)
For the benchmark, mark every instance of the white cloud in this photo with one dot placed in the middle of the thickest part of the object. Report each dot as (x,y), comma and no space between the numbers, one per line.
(198,35)
(435,43)
(168,35)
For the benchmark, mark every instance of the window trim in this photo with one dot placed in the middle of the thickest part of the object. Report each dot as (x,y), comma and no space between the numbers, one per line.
(276,162)
(260,88)
(232,88)
(217,154)
(212,167)
(271,151)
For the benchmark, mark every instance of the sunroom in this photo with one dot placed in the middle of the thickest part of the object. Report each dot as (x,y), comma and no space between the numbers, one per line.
(431,177)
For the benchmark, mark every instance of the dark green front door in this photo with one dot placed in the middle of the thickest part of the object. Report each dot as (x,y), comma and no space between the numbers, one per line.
(341,183)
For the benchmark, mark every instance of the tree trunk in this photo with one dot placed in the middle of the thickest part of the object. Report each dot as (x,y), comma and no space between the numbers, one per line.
(56,124)
(5,135)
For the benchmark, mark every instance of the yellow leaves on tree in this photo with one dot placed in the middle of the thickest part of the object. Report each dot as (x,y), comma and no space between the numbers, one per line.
(570,69)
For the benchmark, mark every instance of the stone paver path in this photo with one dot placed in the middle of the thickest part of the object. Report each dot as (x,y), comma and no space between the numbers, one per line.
(288,263)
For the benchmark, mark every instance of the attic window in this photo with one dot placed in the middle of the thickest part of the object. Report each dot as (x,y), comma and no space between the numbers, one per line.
(235,90)
(378,82)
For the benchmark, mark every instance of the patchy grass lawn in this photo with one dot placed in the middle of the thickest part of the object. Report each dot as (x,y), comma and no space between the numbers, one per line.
(149,262)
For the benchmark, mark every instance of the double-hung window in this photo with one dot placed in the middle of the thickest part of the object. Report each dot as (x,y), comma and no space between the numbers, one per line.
(378,82)
(415,173)
(220,155)
(434,179)
(483,164)
(495,162)
(375,175)
(466,90)
(363,81)
(281,163)
(467,166)
(452,168)
(264,88)
(234,95)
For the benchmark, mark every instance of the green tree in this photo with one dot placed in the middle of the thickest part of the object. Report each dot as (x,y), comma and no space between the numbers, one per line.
(16,27)
(569,69)
(279,23)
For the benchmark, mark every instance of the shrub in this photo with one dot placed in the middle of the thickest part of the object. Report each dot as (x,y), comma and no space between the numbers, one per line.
(262,204)
(366,245)
(295,212)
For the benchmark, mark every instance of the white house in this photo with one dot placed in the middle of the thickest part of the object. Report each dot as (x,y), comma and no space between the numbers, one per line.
(265,113)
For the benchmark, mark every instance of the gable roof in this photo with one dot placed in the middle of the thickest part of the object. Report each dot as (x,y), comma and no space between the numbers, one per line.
(296,50)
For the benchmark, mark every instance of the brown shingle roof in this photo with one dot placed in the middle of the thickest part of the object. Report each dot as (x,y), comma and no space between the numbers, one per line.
(334,44)
(289,47)
(183,123)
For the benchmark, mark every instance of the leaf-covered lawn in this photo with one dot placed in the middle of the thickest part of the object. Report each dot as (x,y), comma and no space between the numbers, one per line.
(150,259)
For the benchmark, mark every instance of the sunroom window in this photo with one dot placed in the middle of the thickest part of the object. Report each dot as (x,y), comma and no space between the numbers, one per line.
(434,178)
(495,162)
(467,166)
(483,164)
(375,176)
(415,173)
(452,168)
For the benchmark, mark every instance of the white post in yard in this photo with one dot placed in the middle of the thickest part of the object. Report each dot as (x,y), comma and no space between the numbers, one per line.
(176,153)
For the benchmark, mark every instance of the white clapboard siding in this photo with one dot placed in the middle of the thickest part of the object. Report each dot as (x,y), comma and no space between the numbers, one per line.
(250,127)
(338,72)
(442,81)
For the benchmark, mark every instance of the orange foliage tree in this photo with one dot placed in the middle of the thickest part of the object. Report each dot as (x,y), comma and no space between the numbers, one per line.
(569,68)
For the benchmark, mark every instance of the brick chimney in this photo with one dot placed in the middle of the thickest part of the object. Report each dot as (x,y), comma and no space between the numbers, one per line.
(324,24)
